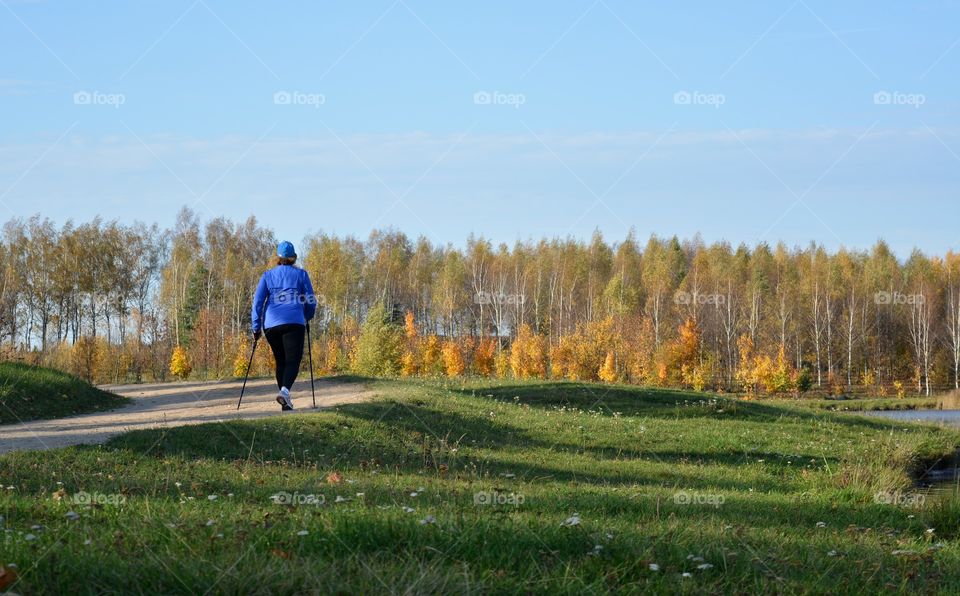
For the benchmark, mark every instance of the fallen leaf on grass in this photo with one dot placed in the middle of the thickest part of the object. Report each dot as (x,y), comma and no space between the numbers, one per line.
(280,553)
(334,478)
(7,577)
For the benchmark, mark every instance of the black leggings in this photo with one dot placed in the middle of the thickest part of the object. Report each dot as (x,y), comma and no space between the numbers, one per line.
(286,341)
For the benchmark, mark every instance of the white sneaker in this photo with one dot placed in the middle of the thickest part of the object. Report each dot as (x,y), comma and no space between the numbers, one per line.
(283,398)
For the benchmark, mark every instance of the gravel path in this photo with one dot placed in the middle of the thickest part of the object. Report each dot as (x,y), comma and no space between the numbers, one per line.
(173,404)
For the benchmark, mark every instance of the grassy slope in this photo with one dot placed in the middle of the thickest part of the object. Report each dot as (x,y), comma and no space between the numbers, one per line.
(198,512)
(33,392)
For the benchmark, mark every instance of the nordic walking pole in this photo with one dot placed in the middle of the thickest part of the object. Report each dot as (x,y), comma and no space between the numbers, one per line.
(310,354)
(249,364)
(256,338)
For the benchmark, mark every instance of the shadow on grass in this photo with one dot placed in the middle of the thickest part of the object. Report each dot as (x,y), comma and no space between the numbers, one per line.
(410,438)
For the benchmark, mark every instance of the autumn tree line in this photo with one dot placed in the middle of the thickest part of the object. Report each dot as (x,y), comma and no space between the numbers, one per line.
(124,303)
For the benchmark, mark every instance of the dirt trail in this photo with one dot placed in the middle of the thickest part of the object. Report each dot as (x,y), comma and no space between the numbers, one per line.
(173,404)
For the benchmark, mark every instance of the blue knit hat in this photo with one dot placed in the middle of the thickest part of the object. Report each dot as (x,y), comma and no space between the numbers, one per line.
(285,250)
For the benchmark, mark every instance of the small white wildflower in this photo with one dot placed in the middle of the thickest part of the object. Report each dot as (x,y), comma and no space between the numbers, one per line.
(302,533)
(211,497)
(428,520)
(821,524)
(654,567)
(704,566)
(408,509)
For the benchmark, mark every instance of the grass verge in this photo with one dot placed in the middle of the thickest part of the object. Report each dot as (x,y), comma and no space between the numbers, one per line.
(33,393)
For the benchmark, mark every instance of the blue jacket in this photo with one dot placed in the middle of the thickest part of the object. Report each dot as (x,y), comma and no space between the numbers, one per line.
(288,295)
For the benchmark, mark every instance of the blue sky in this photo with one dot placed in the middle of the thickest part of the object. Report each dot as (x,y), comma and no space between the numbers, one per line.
(795,121)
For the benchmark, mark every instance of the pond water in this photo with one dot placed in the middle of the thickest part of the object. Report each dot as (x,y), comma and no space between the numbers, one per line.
(946,417)
(944,479)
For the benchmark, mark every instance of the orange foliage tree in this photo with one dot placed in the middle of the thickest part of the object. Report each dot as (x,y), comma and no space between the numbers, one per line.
(484,357)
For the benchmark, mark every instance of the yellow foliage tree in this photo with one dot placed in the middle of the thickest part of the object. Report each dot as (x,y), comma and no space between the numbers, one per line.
(240,359)
(756,371)
(501,363)
(680,359)
(528,355)
(638,352)
(83,358)
(453,362)
(408,364)
(179,366)
(432,354)
(745,367)
(780,379)
(608,372)
(409,325)
(561,357)
(331,357)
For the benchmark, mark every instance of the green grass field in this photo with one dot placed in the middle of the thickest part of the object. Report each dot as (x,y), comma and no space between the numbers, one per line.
(33,392)
(490,488)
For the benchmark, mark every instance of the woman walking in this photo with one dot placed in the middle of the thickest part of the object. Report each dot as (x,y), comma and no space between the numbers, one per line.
(282,307)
